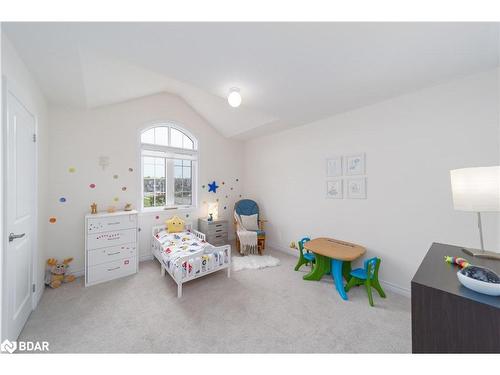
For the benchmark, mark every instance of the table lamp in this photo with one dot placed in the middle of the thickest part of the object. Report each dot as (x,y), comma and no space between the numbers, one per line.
(213,210)
(477,190)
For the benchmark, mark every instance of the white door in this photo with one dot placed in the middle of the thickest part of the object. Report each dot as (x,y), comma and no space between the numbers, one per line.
(20,215)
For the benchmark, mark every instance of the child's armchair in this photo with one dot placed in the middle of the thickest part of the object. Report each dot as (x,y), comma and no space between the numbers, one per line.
(248,207)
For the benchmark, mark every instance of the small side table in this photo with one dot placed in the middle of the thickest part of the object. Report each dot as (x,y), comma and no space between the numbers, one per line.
(215,231)
(341,254)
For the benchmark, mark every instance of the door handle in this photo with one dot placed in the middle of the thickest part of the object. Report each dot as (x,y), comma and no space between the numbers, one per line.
(13,236)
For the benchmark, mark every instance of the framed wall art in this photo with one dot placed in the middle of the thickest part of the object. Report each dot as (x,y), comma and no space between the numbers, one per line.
(355,188)
(355,164)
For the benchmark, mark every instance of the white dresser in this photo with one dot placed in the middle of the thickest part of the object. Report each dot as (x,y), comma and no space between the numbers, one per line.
(111,249)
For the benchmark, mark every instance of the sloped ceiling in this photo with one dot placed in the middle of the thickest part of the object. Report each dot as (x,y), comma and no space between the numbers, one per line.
(289,73)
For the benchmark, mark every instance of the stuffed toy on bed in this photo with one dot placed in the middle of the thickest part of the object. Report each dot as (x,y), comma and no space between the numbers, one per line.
(175,225)
(57,273)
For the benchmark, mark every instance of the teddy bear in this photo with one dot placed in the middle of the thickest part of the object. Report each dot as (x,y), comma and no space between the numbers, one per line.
(57,273)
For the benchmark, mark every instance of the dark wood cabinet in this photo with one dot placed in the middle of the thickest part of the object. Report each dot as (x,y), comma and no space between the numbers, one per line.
(446,316)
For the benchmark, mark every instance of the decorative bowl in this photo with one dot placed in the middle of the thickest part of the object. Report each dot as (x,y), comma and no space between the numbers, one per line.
(480,279)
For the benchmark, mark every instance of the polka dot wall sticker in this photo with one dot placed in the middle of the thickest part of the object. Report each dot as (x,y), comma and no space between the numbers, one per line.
(116,199)
(157,217)
(131,169)
(231,188)
(223,182)
(62,200)
(124,188)
(203,186)
(71,169)
(187,215)
(52,220)
(237,179)
(225,207)
(115,176)
(92,186)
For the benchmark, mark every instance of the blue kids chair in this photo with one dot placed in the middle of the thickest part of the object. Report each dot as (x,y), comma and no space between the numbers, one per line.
(367,276)
(304,257)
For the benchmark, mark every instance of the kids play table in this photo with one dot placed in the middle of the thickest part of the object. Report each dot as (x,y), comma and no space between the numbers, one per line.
(333,256)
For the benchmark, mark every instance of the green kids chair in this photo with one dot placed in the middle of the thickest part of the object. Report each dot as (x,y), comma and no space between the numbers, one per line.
(304,257)
(367,276)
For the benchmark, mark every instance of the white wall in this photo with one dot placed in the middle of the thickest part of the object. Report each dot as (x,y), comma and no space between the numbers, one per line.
(411,142)
(79,137)
(21,82)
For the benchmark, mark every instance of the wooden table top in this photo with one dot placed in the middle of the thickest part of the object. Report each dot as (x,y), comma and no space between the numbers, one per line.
(335,249)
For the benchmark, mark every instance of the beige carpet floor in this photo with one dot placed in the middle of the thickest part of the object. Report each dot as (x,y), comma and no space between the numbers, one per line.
(270,310)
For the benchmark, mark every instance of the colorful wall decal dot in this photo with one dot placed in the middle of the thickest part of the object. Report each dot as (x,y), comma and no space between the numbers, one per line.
(227,196)
(62,199)
(240,195)
(187,215)
(231,188)
(131,169)
(237,179)
(157,217)
(124,188)
(52,220)
(71,169)
(92,186)
(225,207)
(203,186)
(116,199)
(223,182)
(115,176)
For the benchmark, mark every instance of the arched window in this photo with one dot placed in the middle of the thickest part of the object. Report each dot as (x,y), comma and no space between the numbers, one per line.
(169,156)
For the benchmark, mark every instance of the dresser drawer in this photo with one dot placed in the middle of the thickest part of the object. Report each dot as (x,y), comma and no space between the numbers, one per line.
(111,270)
(217,239)
(216,228)
(112,223)
(113,238)
(108,254)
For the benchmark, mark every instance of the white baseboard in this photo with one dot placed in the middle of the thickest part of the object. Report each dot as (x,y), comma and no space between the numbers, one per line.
(143,258)
(288,250)
(78,273)
(387,285)
(396,289)
(39,294)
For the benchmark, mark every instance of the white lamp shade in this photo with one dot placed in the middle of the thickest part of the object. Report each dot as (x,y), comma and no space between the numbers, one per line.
(476,189)
(213,208)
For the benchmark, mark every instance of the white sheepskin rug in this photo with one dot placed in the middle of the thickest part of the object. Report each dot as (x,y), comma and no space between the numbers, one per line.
(254,262)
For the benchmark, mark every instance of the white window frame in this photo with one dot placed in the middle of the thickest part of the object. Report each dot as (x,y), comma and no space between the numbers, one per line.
(169,166)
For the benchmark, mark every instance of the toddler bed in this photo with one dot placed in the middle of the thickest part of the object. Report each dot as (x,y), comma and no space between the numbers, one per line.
(187,256)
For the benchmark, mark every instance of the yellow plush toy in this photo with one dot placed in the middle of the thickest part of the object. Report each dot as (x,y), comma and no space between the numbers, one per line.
(57,274)
(175,225)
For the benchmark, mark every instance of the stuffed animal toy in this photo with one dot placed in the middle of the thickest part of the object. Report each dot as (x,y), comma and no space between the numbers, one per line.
(57,273)
(175,225)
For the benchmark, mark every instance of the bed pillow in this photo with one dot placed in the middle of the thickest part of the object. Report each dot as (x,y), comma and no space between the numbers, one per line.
(250,222)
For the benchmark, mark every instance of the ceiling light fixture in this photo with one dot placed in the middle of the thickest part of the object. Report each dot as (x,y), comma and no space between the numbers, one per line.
(234,97)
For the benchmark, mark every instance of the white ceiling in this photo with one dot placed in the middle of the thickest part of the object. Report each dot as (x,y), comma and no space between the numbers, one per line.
(289,73)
